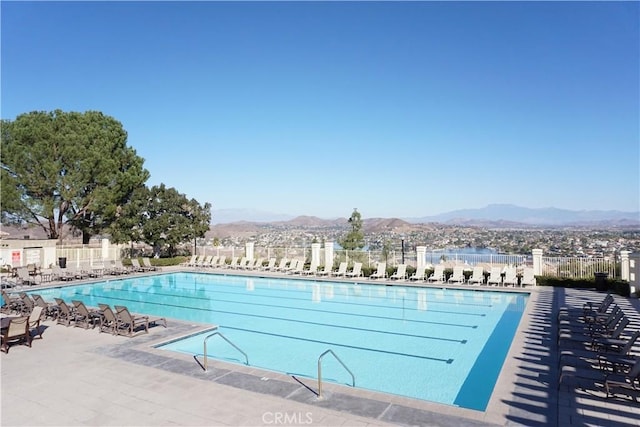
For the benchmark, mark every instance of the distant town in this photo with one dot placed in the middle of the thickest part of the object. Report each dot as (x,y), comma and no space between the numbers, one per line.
(600,241)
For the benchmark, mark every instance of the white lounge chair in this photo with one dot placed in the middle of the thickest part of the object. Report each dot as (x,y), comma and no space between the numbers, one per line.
(313,269)
(326,271)
(495,276)
(458,275)
(528,278)
(510,277)
(477,276)
(270,266)
(357,270)
(438,275)
(419,273)
(381,271)
(400,273)
(342,270)
(282,265)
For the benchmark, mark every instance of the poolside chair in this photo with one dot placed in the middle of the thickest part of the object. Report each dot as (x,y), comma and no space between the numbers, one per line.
(191,262)
(60,274)
(627,384)
(495,276)
(34,320)
(270,266)
(50,309)
(477,276)
(313,269)
(381,271)
(510,277)
(297,266)
(85,316)
(136,266)
(128,323)
(109,321)
(146,262)
(233,263)
(204,262)
(588,308)
(341,271)
(282,264)
(12,304)
(326,271)
(17,330)
(66,315)
(27,304)
(400,273)
(356,272)
(458,275)
(419,274)
(438,275)
(528,278)
(24,278)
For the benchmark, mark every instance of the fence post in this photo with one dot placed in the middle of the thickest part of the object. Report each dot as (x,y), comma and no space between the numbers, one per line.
(624,265)
(537,261)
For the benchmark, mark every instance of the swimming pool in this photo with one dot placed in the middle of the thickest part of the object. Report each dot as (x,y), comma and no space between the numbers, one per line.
(441,345)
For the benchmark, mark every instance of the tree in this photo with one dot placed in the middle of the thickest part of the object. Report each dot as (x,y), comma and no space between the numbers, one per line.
(161,217)
(355,237)
(61,168)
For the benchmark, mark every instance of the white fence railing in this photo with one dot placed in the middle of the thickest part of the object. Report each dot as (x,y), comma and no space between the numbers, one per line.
(569,267)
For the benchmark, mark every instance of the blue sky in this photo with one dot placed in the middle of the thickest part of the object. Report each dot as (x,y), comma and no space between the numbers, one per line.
(313,108)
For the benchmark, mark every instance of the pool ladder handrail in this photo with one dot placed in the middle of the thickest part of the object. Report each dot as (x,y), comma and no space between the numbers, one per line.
(227,340)
(353,378)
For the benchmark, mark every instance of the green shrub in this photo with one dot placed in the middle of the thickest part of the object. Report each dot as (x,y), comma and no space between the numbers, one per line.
(620,287)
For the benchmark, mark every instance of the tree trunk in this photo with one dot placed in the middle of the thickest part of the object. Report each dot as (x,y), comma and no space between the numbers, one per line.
(86,236)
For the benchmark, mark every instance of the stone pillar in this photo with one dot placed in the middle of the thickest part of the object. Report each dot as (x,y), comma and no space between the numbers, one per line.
(315,254)
(624,265)
(634,274)
(328,253)
(105,249)
(537,262)
(249,250)
(421,256)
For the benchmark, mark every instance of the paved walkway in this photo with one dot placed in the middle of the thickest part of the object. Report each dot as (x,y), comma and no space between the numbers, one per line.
(81,377)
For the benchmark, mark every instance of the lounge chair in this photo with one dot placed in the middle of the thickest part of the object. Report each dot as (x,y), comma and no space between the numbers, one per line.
(326,271)
(204,262)
(136,266)
(313,269)
(627,384)
(146,262)
(510,277)
(233,263)
(477,276)
(282,265)
(24,277)
(296,267)
(381,271)
(270,266)
(109,320)
(495,276)
(438,275)
(528,278)
(419,274)
(60,274)
(66,315)
(12,304)
(458,275)
(34,320)
(85,316)
(27,304)
(17,330)
(356,272)
(128,323)
(400,273)
(49,309)
(341,271)
(191,262)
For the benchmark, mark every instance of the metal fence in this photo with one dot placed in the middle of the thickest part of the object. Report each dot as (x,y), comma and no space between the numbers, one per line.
(568,267)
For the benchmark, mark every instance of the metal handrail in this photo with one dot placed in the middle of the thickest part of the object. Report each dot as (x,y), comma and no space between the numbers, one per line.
(353,378)
(227,340)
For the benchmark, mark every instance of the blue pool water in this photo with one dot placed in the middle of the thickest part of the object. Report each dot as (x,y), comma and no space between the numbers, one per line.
(445,346)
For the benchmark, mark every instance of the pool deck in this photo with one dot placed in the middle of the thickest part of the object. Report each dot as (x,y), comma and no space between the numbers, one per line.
(74,376)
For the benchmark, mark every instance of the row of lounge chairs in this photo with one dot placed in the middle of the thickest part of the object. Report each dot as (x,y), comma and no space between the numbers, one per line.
(599,350)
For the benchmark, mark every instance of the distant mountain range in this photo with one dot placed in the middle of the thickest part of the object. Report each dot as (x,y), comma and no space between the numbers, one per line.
(494,215)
